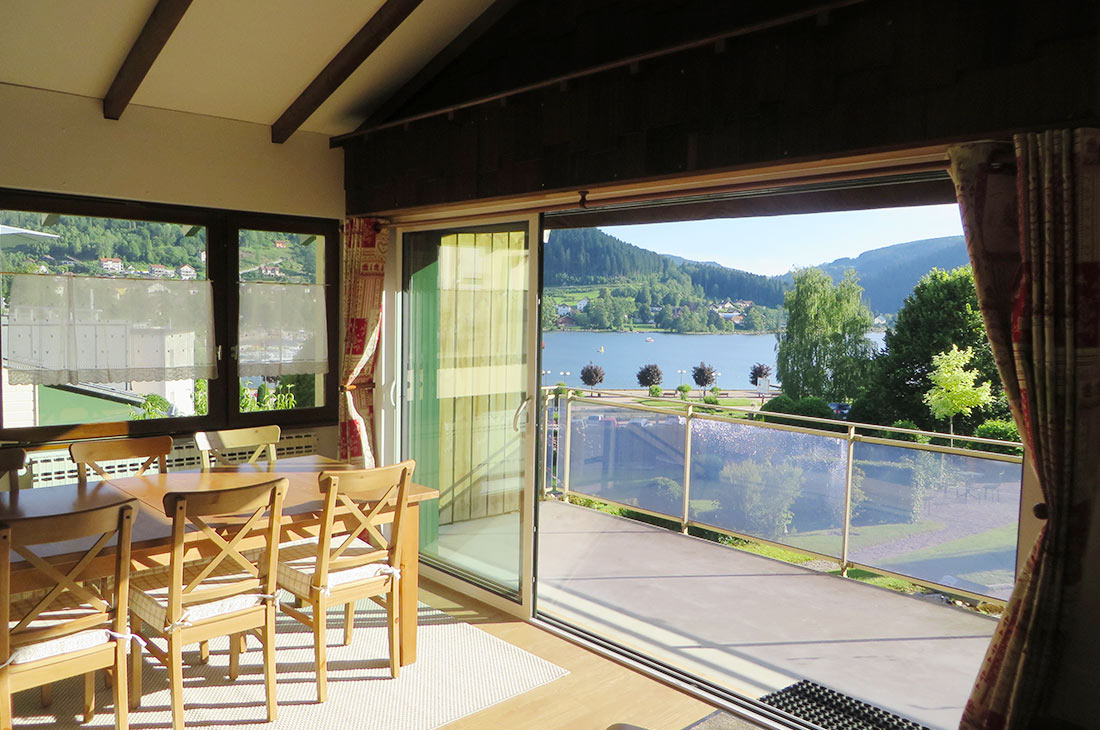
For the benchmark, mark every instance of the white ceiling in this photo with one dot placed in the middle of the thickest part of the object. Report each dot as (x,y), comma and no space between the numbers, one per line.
(236,59)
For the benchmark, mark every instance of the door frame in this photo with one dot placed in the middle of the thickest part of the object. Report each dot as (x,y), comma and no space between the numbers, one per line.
(389,400)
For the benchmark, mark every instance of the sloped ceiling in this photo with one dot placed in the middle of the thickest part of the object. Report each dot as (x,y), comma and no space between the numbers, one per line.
(245,60)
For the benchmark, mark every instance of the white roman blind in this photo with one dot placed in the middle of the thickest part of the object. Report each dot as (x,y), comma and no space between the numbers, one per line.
(283,329)
(74,329)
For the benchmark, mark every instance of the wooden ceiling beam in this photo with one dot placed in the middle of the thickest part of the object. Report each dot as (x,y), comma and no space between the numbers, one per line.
(158,29)
(381,25)
(454,49)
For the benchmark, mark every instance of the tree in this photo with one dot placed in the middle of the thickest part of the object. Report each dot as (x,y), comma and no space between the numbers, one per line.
(703,375)
(941,311)
(759,370)
(953,390)
(649,375)
(824,350)
(592,375)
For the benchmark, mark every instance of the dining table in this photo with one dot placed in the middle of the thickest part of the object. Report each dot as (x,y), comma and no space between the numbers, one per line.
(151,540)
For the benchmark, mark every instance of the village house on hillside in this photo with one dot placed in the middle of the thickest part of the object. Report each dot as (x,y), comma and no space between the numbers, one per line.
(272,270)
(186,272)
(112,265)
(160,270)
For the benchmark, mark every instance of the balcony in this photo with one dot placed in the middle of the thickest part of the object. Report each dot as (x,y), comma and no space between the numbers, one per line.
(942,519)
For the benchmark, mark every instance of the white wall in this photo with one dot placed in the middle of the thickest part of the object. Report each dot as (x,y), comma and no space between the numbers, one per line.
(55,142)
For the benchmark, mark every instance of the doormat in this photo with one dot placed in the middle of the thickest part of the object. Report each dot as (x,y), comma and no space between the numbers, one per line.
(835,711)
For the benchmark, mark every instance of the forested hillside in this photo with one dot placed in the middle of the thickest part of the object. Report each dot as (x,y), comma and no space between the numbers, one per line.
(590,256)
(888,274)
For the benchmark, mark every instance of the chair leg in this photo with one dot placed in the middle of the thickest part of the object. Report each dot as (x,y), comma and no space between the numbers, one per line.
(269,662)
(321,659)
(136,667)
(89,696)
(122,702)
(394,628)
(45,695)
(204,652)
(234,656)
(175,678)
(349,621)
(108,677)
(5,702)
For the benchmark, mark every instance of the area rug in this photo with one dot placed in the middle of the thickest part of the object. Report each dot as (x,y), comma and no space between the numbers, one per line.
(459,671)
(834,710)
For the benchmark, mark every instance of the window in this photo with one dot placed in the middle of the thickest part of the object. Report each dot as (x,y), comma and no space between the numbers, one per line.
(117,318)
(282,337)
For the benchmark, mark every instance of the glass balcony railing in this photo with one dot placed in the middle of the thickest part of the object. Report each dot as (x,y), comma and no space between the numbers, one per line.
(942,516)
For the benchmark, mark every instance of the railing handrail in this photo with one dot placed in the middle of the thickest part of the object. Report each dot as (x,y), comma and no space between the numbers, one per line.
(809,419)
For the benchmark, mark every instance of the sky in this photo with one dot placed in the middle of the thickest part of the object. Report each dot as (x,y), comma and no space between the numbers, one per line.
(775,244)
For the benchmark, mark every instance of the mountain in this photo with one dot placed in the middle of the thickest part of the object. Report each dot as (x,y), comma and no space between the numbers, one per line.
(888,274)
(590,256)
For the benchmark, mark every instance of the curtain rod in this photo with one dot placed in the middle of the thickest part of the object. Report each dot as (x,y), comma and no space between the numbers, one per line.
(782,20)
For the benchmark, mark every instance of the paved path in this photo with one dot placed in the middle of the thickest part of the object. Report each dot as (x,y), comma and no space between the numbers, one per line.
(752,623)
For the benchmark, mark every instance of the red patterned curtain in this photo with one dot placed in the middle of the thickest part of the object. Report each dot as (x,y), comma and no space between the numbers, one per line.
(1029,214)
(365,243)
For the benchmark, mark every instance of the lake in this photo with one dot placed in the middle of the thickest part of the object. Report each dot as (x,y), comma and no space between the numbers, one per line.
(624,353)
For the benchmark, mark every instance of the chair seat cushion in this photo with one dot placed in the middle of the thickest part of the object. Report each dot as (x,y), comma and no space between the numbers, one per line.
(64,609)
(149,596)
(61,645)
(298,562)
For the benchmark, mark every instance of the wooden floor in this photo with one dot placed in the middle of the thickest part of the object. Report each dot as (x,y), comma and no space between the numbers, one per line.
(595,694)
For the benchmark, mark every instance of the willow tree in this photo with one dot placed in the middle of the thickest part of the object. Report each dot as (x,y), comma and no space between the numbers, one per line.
(824,350)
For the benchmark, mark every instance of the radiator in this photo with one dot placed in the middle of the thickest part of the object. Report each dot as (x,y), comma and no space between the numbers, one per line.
(46,468)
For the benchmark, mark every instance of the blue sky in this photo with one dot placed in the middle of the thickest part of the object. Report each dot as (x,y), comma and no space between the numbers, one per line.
(776,244)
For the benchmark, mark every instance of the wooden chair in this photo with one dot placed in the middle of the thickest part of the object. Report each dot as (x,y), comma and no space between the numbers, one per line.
(68,628)
(88,453)
(213,443)
(338,567)
(12,459)
(229,594)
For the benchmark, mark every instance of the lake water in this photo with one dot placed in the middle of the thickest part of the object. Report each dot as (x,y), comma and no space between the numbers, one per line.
(624,353)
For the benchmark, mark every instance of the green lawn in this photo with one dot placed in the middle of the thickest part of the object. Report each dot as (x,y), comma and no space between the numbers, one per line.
(826,541)
(997,539)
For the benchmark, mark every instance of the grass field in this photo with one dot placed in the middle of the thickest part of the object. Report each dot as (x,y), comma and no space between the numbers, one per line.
(824,541)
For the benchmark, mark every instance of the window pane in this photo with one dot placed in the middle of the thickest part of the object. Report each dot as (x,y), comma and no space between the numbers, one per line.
(282,347)
(101,337)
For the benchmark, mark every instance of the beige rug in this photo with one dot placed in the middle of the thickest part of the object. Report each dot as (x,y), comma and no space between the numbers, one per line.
(459,670)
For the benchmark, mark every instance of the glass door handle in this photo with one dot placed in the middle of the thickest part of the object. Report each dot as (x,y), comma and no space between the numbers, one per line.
(519,411)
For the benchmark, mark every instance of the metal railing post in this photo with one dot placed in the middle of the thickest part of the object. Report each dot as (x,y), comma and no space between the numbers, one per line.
(563,453)
(847,529)
(545,458)
(687,472)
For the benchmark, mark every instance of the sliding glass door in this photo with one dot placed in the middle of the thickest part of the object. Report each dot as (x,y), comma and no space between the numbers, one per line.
(468,381)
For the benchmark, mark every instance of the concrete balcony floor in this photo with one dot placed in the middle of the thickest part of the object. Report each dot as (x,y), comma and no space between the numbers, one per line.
(754,624)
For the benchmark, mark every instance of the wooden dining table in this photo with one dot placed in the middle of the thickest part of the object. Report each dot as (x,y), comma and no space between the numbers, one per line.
(152,529)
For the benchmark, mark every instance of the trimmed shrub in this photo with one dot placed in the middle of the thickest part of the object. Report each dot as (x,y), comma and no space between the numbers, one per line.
(656,391)
(683,390)
(592,375)
(900,436)
(668,495)
(562,388)
(710,399)
(760,496)
(997,429)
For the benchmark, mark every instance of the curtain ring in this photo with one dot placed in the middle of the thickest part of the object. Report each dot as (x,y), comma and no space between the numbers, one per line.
(346,388)
(1040,511)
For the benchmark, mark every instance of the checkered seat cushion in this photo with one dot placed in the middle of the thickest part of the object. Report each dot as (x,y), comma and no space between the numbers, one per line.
(59,613)
(149,595)
(298,562)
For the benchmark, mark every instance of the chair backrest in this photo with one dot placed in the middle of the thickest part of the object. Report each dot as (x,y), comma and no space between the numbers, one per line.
(88,453)
(251,508)
(109,606)
(355,503)
(12,459)
(214,443)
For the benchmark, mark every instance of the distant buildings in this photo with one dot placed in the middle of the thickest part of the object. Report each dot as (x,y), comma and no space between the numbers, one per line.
(112,265)
(186,272)
(160,270)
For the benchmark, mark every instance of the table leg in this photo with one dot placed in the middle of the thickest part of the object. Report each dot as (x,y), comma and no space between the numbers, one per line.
(409,583)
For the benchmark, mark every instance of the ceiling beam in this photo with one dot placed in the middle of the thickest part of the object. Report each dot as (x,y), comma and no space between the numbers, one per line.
(454,49)
(381,25)
(158,29)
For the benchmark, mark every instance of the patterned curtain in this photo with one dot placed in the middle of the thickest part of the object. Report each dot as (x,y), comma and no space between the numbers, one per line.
(365,243)
(1031,228)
